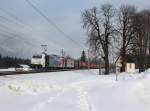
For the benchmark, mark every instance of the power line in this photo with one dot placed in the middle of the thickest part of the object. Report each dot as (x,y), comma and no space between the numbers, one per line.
(15,17)
(6,19)
(52,23)
(10,31)
(15,36)
(19,21)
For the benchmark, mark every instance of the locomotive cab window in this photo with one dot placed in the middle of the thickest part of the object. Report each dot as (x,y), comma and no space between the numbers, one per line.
(37,56)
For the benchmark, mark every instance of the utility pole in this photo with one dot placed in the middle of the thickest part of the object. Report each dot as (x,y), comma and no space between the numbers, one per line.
(63,57)
(88,59)
(62,53)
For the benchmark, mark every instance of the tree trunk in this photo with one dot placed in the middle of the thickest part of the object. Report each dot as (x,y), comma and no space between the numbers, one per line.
(141,66)
(123,51)
(123,56)
(106,66)
(106,58)
(99,66)
(141,60)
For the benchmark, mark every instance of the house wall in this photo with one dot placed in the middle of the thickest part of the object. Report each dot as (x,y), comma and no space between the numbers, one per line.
(130,67)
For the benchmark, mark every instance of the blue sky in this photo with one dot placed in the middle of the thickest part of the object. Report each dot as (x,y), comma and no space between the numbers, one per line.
(30,30)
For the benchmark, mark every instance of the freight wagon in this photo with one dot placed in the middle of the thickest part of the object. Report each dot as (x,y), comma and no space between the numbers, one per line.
(69,63)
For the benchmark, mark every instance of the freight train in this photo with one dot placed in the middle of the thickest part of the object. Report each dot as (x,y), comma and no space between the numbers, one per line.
(46,61)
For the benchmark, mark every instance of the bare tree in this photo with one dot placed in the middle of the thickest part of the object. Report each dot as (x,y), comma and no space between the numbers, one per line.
(100,30)
(125,30)
(141,41)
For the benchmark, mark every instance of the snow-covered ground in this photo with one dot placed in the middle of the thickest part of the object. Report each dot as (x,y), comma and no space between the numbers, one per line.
(75,91)
(9,69)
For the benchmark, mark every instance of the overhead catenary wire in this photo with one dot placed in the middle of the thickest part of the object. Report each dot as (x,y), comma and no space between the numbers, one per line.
(16,18)
(12,35)
(18,21)
(6,19)
(52,23)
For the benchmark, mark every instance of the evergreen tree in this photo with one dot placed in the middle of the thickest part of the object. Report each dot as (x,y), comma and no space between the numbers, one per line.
(83,56)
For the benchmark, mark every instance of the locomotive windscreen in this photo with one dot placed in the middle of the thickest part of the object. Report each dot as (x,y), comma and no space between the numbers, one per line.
(37,56)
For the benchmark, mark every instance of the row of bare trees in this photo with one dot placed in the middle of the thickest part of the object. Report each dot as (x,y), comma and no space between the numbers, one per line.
(125,29)
(141,41)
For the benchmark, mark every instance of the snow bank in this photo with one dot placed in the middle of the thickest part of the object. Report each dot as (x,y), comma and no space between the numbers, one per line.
(32,87)
(75,91)
(9,69)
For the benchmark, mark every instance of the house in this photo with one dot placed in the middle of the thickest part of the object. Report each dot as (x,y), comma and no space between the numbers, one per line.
(129,65)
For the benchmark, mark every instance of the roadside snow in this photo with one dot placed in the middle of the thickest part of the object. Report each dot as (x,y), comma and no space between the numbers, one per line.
(75,91)
(9,69)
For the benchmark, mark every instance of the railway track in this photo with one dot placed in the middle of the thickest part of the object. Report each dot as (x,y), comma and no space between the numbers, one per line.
(2,73)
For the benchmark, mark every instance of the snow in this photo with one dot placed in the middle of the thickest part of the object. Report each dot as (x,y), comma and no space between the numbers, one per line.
(9,69)
(24,65)
(81,90)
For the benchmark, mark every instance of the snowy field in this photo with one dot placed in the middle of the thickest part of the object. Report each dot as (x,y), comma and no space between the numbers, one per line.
(9,69)
(75,91)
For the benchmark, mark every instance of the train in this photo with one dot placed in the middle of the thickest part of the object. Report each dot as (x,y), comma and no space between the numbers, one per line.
(51,61)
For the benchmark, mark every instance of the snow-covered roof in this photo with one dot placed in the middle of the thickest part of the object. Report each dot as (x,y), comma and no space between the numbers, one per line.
(24,65)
